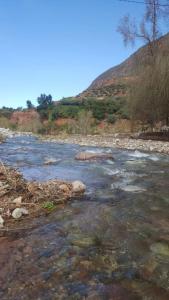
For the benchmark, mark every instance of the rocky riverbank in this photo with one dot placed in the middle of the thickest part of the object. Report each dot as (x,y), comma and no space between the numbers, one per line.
(112,141)
(7,133)
(22,200)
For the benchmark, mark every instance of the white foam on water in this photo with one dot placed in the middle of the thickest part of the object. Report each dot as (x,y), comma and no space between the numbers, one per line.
(110,172)
(139,154)
(135,162)
(128,188)
(108,151)
(94,151)
(133,189)
(110,162)
(153,158)
(98,151)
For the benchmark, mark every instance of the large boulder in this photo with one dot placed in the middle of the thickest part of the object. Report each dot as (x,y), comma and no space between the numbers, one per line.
(93,156)
(78,187)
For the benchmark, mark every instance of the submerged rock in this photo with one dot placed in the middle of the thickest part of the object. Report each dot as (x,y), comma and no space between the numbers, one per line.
(78,187)
(51,161)
(161,249)
(93,156)
(81,241)
(18,212)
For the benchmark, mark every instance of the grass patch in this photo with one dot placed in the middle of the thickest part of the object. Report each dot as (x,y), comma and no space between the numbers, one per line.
(49,205)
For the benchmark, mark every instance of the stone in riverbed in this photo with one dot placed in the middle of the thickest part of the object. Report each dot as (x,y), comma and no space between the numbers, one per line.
(18,200)
(51,161)
(93,156)
(161,249)
(64,188)
(78,187)
(81,241)
(1,222)
(18,212)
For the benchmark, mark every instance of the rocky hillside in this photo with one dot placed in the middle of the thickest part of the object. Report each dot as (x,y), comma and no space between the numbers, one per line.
(114,81)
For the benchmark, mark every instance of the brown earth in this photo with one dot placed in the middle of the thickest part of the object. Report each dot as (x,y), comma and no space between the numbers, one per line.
(114,81)
(24,117)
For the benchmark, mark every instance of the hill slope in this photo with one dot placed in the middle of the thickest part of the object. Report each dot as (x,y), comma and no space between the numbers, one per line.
(114,80)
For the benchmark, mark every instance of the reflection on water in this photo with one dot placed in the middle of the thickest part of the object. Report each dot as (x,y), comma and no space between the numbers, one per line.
(111,244)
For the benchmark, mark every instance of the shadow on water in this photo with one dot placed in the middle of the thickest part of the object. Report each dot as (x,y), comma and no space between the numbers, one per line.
(113,243)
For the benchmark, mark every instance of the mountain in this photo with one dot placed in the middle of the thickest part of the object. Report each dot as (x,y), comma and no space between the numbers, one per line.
(114,81)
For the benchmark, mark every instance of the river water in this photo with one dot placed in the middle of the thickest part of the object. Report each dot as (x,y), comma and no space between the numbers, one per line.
(113,243)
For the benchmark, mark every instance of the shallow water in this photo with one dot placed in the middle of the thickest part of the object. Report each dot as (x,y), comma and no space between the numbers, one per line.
(113,243)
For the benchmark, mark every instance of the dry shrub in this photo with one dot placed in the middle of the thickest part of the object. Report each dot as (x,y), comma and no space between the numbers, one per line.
(120,126)
(84,123)
(34,126)
(4,122)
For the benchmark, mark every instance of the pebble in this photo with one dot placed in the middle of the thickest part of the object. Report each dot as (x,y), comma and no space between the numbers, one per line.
(18,200)
(18,212)
(64,188)
(1,222)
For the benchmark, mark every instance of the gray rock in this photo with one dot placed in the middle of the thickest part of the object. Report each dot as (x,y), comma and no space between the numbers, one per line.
(18,212)
(78,187)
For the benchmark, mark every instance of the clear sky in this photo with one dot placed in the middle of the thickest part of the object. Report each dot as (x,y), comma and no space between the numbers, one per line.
(57,46)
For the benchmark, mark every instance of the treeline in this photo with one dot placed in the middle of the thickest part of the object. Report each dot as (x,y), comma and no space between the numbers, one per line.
(74,115)
(108,109)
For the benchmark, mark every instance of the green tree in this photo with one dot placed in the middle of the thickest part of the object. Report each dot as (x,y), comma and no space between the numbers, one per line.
(44,101)
(29,104)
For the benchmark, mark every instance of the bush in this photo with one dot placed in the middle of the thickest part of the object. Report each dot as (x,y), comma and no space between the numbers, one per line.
(111,119)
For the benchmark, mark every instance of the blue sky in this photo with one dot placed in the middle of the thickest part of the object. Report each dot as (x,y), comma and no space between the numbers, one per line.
(57,46)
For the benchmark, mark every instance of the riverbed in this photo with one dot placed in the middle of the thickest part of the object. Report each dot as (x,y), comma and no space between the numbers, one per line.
(112,243)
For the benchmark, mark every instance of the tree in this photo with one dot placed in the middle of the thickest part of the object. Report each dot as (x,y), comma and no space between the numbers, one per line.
(44,101)
(149,93)
(29,104)
(148,30)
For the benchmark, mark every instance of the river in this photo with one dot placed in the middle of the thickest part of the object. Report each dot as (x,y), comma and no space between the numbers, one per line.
(112,243)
